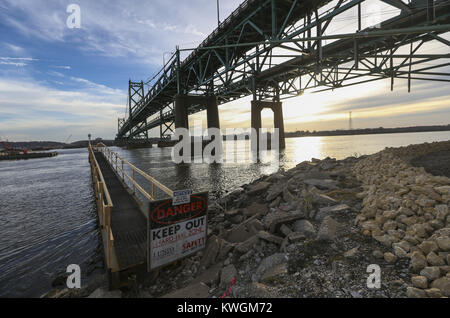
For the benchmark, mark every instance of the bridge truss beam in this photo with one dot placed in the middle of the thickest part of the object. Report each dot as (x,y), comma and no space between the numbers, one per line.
(269,46)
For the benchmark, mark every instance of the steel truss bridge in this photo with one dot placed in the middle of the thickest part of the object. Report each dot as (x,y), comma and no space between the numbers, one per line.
(276,49)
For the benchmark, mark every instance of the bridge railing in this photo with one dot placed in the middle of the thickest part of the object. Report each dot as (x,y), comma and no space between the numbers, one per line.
(104,207)
(120,165)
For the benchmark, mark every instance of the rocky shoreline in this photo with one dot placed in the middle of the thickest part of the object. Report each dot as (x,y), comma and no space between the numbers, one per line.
(313,231)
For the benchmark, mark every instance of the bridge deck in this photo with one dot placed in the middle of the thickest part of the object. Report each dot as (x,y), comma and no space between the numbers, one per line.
(128,224)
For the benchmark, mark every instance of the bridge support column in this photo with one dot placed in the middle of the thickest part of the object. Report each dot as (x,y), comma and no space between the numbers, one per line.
(277,108)
(181,112)
(212,112)
(256,123)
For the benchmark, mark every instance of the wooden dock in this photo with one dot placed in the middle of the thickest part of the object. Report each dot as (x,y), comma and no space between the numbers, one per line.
(122,216)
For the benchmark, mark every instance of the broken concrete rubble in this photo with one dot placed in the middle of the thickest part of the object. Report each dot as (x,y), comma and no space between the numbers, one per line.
(312,231)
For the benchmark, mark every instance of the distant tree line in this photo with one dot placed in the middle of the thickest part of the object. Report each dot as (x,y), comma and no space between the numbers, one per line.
(368,131)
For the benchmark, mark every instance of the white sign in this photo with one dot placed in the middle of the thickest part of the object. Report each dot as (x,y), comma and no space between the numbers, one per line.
(177,241)
(182,197)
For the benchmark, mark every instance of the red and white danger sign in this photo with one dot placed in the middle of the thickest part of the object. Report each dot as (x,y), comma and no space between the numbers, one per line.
(176,231)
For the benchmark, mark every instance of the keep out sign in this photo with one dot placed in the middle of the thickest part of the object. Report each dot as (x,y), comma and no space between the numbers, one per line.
(175,232)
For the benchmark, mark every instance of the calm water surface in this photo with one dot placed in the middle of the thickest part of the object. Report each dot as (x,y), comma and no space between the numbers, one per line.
(47,208)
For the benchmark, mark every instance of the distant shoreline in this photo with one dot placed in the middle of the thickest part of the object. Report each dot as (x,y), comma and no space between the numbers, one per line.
(51,145)
(368,131)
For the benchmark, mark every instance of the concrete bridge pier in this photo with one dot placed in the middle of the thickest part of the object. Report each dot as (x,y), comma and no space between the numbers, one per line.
(183,102)
(277,108)
(212,112)
(181,112)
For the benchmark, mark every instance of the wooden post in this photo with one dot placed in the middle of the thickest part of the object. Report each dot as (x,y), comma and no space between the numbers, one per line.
(133,182)
(108,233)
(100,210)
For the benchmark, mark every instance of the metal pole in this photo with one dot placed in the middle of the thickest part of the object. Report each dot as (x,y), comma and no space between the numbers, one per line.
(218,14)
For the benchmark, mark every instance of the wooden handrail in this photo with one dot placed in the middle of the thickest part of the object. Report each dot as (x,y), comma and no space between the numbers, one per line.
(113,157)
(100,177)
(104,210)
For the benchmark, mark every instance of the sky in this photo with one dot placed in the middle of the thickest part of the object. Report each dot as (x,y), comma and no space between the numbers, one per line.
(61,84)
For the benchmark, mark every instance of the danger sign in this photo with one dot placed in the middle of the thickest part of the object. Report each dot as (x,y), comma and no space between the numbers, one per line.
(176,231)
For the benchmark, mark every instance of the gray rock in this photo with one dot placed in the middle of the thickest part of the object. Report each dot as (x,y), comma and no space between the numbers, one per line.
(418,261)
(256,209)
(443,284)
(328,230)
(258,188)
(413,292)
(304,227)
(288,197)
(269,263)
(274,191)
(443,243)
(247,245)
(295,237)
(322,199)
(285,230)
(337,209)
(351,253)
(433,293)
(400,252)
(265,236)
(428,246)
(431,273)
(227,275)
(378,254)
(327,184)
(273,221)
(275,273)
(420,282)
(390,258)
(435,260)
(239,234)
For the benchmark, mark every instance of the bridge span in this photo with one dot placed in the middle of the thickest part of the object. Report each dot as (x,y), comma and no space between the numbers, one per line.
(273,50)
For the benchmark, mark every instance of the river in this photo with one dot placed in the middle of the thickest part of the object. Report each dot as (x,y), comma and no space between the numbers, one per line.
(47,208)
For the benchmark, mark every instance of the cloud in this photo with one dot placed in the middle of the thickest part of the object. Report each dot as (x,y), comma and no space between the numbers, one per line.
(14,48)
(117,29)
(16,61)
(29,109)
(64,67)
